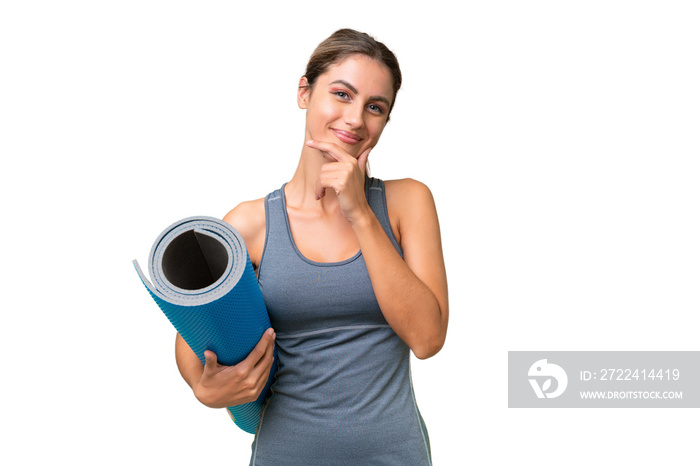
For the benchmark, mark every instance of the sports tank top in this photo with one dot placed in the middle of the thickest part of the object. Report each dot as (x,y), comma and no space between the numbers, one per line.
(343,393)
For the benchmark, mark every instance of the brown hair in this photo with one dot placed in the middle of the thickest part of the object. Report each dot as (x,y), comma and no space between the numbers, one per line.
(345,42)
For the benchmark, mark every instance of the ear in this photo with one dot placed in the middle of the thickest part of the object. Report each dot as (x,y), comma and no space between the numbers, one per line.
(303,93)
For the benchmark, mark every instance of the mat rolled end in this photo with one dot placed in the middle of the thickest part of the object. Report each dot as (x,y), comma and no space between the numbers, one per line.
(203,281)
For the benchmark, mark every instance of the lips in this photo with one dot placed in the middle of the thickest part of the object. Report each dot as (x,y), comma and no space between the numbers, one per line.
(346,136)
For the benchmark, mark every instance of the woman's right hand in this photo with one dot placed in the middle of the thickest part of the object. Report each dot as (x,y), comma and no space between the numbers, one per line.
(222,386)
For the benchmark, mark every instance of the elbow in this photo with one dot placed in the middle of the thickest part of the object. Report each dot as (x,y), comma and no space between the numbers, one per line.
(430,339)
(427,351)
(429,346)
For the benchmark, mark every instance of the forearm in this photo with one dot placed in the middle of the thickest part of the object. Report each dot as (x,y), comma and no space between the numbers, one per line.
(188,363)
(409,305)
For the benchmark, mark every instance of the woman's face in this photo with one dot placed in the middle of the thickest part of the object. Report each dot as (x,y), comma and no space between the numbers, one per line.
(349,104)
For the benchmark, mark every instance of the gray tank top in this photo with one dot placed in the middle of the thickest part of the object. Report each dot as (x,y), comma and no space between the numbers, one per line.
(343,393)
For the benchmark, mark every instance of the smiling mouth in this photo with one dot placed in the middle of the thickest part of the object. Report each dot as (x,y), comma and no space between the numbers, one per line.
(346,136)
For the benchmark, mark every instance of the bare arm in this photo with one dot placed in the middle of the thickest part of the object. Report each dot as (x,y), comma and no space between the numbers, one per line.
(412,292)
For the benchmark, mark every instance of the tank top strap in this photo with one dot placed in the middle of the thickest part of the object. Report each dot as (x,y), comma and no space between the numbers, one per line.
(376,198)
(277,235)
(274,211)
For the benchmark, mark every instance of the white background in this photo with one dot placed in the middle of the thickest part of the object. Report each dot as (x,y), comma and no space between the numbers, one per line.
(560,140)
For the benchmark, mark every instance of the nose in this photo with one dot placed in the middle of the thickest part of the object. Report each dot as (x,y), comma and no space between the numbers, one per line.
(354,115)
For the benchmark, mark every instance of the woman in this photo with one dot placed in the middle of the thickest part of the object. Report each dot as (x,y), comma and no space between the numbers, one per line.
(353,277)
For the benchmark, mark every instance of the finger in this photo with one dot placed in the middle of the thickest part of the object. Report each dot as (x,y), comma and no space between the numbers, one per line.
(327,180)
(362,160)
(210,360)
(266,360)
(264,375)
(260,349)
(261,372)
(333,150)
(319,190)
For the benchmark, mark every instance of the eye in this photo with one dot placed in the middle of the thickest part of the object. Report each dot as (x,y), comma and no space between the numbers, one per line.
(341,94)
(376,109)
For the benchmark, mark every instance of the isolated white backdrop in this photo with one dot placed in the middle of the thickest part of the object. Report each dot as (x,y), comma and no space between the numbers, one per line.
(560,140)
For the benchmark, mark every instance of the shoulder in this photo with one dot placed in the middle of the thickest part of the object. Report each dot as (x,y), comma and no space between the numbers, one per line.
(410,206)
(247,215)
(249,219)
(407,195)
(407,186)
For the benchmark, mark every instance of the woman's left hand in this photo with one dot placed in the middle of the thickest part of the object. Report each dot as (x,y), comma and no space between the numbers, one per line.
(345,176)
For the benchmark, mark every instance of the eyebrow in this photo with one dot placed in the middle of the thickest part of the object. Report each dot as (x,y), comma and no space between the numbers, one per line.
(352,88)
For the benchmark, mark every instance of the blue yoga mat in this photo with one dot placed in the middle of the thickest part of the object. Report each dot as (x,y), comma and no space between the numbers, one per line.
(203,281)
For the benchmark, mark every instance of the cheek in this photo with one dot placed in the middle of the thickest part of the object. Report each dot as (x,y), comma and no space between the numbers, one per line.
(320,115)
(377,131)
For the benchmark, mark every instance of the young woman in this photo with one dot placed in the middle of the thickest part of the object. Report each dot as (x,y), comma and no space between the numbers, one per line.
(352,272)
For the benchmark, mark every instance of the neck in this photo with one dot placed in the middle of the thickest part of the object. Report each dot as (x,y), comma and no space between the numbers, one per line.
(300,190)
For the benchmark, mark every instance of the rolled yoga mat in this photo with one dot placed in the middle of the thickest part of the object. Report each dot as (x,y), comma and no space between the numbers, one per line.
(204,282)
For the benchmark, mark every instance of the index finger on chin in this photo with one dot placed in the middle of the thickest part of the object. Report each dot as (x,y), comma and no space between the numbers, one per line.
(333,150)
